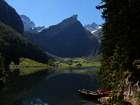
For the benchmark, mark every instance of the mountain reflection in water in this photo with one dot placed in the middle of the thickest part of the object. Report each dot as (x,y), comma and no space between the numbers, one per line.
(61,89)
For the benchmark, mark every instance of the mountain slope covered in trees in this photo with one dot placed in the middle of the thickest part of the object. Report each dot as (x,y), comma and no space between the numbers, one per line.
(12,44)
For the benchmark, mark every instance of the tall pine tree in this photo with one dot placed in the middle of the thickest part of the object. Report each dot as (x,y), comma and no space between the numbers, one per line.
(121,39)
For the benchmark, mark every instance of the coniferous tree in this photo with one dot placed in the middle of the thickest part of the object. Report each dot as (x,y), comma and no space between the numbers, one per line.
(121,36)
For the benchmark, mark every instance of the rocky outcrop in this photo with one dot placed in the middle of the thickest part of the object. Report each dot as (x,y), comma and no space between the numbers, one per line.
(132,90)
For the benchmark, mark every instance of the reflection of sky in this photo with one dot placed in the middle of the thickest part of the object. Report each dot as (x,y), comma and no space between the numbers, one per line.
(50,12)
(34,102)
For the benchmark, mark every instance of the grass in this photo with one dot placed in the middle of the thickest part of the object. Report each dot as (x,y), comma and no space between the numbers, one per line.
(91,64)
(28,66)
(29,62)
(63,65)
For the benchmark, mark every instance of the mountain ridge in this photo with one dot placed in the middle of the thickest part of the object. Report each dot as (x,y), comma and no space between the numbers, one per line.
(66,39)
(95,30)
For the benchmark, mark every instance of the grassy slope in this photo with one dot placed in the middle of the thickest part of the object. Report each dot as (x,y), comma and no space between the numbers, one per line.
(28,66)
(82,61)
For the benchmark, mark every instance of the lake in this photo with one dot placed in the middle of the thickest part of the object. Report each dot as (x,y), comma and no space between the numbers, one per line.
(61,89)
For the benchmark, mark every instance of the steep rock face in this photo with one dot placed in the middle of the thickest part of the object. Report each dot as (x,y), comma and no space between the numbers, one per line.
(66,39)
(98,34)
(28,24)
(91,27)
(9,16)
(96,31)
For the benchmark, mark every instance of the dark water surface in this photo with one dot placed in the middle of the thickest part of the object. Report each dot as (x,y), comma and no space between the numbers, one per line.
(61,89)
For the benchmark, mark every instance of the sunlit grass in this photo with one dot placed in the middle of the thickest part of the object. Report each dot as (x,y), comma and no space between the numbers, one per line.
(75,62)
(28,66)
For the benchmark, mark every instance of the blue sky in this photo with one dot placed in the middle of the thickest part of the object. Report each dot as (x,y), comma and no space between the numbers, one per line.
(51,12)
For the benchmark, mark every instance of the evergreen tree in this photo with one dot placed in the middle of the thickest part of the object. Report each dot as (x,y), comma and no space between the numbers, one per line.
(120,44)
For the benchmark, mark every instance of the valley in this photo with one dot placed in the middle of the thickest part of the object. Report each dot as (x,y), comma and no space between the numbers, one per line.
(69,52)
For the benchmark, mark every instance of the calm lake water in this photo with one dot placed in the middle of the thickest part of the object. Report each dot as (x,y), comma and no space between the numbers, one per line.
(61,89)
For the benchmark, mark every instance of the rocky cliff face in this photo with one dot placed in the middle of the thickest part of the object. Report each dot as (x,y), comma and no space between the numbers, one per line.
(28,24)
(91,27)
(66,39)
(95,30)
(9,16)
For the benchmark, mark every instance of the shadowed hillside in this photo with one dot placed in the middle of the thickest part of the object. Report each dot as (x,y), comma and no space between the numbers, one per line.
(66,39)
(12,44)
(9,16)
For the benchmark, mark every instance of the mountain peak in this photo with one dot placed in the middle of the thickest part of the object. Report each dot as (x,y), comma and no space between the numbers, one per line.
(71,19)
(66,23)
(91,27)
(28,24)
(74,17)
(66,39)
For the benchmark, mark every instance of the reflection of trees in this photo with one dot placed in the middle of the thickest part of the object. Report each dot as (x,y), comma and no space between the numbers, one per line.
(2,76)
(70,62)
(78,65)
(53,65)
(6,75)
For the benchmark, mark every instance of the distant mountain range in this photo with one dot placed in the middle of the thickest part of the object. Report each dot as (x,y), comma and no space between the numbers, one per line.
(91,27)
(66,39)
(95,30)
(29,25)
